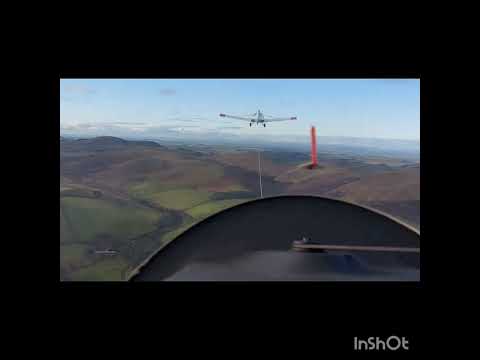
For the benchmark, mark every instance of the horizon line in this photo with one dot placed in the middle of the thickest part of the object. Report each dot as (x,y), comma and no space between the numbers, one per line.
(318,136)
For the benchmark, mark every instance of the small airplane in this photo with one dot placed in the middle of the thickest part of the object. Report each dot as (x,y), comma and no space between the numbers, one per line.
(105,252)
(258,118)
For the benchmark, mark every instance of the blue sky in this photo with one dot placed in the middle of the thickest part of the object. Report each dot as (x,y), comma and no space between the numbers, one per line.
(381,108)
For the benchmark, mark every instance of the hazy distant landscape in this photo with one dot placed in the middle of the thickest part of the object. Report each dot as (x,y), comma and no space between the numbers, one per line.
(121,200)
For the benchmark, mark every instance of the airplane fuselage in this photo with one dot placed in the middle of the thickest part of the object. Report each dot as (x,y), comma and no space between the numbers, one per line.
(259,120)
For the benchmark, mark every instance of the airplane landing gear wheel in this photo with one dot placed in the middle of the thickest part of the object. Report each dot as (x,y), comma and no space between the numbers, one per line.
(264,125)
(250,124)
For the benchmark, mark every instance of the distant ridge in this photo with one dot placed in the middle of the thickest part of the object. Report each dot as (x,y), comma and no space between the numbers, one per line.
(109,141)
(104,140)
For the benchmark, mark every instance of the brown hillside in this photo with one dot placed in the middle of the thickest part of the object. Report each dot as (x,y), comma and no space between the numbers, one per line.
(400,185)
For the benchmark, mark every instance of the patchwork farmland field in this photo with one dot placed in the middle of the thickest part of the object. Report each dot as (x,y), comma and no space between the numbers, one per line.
(94,219)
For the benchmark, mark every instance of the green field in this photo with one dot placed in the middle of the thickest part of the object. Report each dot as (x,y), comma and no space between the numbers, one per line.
(168,195)
(65,235)
(87,224)
(109,269)
(74,256)
(146,188)
(180,199)
(93,218)
(235,187)
(204,210)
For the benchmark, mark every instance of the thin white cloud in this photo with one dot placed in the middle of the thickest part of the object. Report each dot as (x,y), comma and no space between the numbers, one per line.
(78,127)
(128,123)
